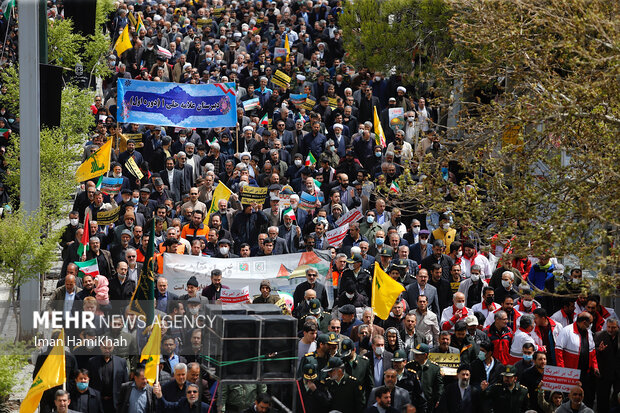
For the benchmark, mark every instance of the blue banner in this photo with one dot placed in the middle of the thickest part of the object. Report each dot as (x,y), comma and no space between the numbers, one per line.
(177,104)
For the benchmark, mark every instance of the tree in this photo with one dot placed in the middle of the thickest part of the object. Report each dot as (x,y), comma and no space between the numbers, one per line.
(540,116)
(26,250)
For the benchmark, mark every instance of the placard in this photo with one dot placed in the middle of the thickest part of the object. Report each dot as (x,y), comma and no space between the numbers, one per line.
(253,194)
(449,362)
(559,378)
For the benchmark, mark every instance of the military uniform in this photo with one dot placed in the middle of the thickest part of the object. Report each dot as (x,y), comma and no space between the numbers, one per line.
(431,380)
(409,381)
(322,319)
(346,395)
(360,369)
(507,401)
(315,359)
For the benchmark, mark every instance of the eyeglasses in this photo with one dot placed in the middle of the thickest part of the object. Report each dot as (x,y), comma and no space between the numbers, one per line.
(311,275)
(192,391)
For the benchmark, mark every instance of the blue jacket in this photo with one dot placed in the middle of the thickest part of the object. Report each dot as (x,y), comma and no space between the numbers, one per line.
(537,276)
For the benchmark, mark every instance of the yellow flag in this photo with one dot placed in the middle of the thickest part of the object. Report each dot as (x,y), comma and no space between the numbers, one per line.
(288,48)
(379,135)
(123,42)
(52,374)
(385,292)
(151,353)
(140,24)
(221,192)
(97,164)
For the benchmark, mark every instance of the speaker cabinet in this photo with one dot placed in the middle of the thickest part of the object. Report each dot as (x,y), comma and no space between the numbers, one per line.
(51,93)
(279,339)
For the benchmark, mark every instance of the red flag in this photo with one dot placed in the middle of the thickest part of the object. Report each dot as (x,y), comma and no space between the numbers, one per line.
(85,238)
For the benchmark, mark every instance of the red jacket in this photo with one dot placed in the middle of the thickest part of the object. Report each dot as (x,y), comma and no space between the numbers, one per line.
(501,343)
(568,346)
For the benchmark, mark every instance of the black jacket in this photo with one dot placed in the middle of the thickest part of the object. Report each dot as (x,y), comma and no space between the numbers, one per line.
(120,375)
(125,395)
(94,401)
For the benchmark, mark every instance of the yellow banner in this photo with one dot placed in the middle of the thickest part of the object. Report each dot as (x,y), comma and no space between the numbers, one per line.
(124,137)
(449,362)
(52,374)
(281,79)
(96,165)
(133,168)
(221,191)
(108,217)
(385,292)
(253,195)
(151,353)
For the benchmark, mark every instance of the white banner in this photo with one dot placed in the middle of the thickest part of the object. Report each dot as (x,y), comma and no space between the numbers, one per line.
(336,236)
(353,215)
(228,296)
(284,271)
(559,378)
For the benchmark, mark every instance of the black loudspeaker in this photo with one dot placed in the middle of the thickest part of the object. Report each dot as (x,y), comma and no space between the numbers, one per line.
(82,12)
(279,339)
(239,342)
(51,94)
(213,310)
(263,309)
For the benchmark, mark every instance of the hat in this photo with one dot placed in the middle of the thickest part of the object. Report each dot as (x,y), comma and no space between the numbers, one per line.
(509,371)
(460,326)
(355,257)
(126,191)
(424,232)
(471,320)
(315,306)
(192,281)
(325,339)
(224,241)
(346,347)
(158,181)
(347,309)
(265,283)
(401,89)
(157,128)
(386,251)
(421,348)
(400,355)
(401,264)
(248,128)
(193,300)
(301,78)
(333,363)
(309,372)
(274,187)
(392,100)
(126,232)
(338,125)
(157,17)
(146,190)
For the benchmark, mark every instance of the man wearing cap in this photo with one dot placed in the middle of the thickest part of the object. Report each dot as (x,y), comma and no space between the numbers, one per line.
(265,296)
(349,320)
(407,379)
(118,251)
(346,391)
(311,283)
(357,366)
(192,292)
(507,396)
(314,394)
(356,275)
(326,348)
(323,318)
(463,342)
(473,331)
(386,253)
(460,396)
(429,375)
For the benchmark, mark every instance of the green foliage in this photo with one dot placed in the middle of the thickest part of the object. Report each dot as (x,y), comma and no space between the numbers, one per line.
(104,8)
(95,52)
(10,365)
(10,78)
(407,36)
(63,44)
(75,119)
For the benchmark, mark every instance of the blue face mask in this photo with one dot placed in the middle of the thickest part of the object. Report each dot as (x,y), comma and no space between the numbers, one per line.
(378,154)
(370,219)
(527,357)
(82,386)
(135,200)
(379,241)
(482,355)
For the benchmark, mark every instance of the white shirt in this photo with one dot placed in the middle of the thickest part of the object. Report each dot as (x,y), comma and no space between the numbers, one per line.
(170,179)
(69,298)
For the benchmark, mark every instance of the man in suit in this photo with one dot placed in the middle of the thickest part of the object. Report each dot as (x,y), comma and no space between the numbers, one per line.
(279,244)
(489,369)
(608,356)
(83,397)
(399,396)
(460,396)
(311,283)
(174,390)
(107,373)
(380,359)
(63,297)
(185,404)
(421,249)
(139,392)
(438,257)
(421,287)
(382,400)
(173,179)
(164,299)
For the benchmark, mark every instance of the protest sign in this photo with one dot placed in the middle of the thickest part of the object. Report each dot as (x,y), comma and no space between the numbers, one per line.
(307,201)
(353,215)
(108,217)
(252,195)
(132,166)
(281,79)
(229,296)
(124,137)
(448,362)
(177,104)
(397,118)
(298,99)
(250,104)
(336,236)
(332,102)
(111,186)
(309,104)
(559,378)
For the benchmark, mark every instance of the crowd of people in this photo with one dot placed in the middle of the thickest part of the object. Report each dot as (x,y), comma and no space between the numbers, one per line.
(506,315)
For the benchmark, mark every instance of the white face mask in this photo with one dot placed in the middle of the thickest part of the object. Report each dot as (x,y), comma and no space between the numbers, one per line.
(298,162)
(74,222)
(459,306)
(379,351)
(224,250)
(459,254)
(370,219)
(506,284)
(423,241)
(445,226)
(415,230)
(475,277)
(350,296)
(527,303)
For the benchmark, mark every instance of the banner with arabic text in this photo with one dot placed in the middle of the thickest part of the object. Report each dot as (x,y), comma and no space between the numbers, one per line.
(177,104)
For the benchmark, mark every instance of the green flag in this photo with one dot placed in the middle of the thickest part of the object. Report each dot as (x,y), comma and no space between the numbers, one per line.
(143,299)
(7,6)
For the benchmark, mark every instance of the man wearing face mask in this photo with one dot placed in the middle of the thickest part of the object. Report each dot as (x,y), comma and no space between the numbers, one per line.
(507,289)
(421,249)
(445,232)
(488,304)
(83,397)
(454,313)
(356,275)
(369,226)
(380,360)
(68,235)
(472,287)
(528,349)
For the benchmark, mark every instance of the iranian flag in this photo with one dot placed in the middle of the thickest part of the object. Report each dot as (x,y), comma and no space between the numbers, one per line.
(395,188)
(288,212)
(310,160)
(85,238)
(89,267)
(264,120)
